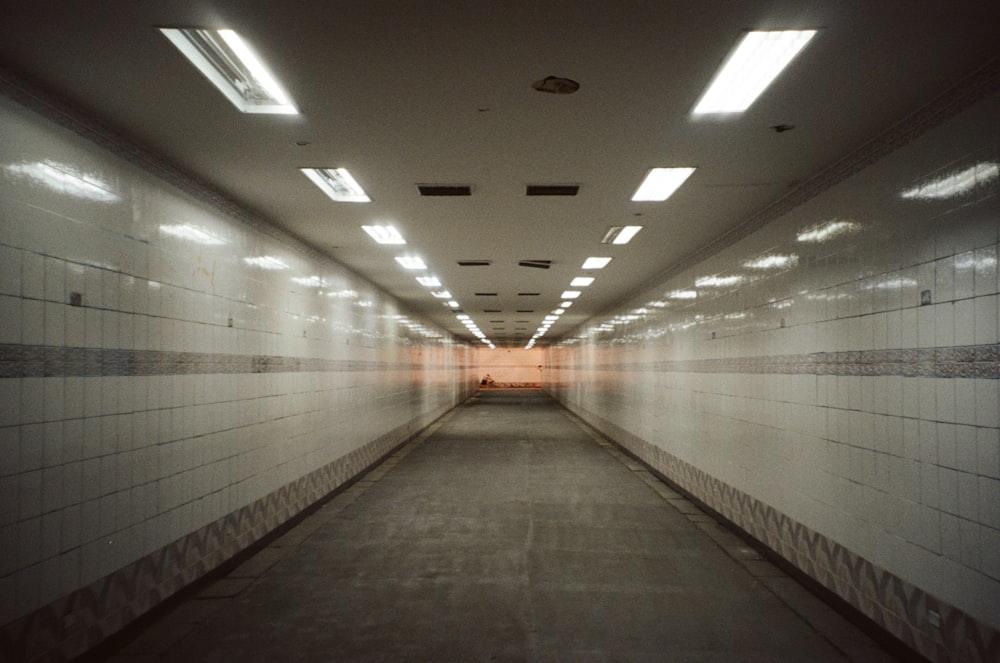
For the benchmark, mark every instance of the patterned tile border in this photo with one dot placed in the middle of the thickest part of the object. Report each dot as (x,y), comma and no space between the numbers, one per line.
(37,361)
(898,607)
(26,361)
(75,623)
(968,361)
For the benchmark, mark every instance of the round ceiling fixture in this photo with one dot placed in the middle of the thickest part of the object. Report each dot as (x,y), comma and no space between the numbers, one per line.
(556,85)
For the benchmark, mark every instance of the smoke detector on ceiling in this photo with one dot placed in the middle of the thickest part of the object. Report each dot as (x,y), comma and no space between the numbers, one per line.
(556,85)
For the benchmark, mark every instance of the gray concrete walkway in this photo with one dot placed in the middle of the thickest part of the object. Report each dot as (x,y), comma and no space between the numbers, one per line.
(508,531)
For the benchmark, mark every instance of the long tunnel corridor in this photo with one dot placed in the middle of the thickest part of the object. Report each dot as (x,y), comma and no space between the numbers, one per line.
(508,530)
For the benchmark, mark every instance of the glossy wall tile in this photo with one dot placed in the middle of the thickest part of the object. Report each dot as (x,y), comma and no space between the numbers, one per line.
(829,382)
(175,381)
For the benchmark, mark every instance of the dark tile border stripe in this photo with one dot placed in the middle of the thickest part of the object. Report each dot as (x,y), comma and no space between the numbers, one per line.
(38,361)
(965,361)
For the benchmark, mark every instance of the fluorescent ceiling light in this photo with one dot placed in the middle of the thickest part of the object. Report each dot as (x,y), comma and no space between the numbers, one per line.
(595,263)
(581,281)
(442,294)
(683,294)
(185,231)
(620,234)
(828,230)
(338,184)
(429,281)
(565,304)
(751,66)
(660,183)
(463,316)
(384,234)
(454,304)
(955,184)
(411,262)
(226,60)
(266,262)
(570,294)
(559,311)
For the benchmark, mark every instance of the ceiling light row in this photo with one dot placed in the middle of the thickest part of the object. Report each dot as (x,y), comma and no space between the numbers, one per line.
(389,235)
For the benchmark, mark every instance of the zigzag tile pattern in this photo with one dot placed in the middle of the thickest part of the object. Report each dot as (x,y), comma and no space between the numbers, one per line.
(897,606)
(73,624)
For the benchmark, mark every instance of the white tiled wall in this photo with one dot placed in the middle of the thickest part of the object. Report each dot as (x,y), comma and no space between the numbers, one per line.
(902,469)
(98,470)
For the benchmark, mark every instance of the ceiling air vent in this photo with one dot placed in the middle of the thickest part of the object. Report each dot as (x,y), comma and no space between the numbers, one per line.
(528,294)
(444,189)
(474,263)
(486,294)
(492,310)
(525,310)
(537,264)
(551,189)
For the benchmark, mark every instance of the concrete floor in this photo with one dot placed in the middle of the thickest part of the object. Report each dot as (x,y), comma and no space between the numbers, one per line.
(508,531)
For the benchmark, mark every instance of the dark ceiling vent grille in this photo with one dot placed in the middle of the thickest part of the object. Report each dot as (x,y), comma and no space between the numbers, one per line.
(486,294)
(528,294)
(551,189)
(537,264)
(444,189)
(475,263)
(492,310)
(525,310)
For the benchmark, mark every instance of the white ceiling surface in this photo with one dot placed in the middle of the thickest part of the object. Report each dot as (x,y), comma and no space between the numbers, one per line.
(440,92)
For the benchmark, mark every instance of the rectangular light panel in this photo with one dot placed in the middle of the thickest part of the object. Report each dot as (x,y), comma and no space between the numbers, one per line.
(384,234)
(620,234)
(229,63)
(595,263)
(581,281)
(411,262)
(660,184)
(338,184)
(751,66)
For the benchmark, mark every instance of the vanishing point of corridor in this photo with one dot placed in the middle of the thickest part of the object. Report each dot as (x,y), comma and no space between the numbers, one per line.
(506,531)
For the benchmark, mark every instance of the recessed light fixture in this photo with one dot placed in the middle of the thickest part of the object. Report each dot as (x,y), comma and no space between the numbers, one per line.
(751,66)
(338,184)
(595,263)
(660,183)
(226,60)
(384,234)
(442,294)
(570,294)
(411,262)
(565,304)
(429,281)
(582,281)
(454,304)
(620,234)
